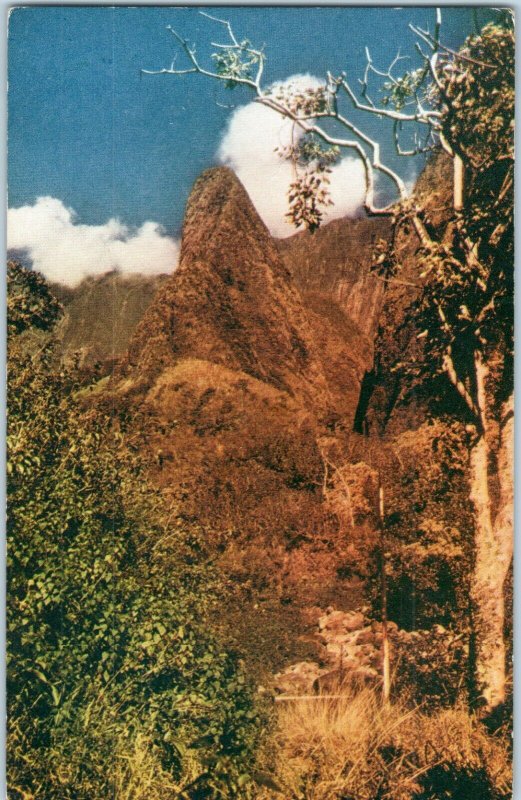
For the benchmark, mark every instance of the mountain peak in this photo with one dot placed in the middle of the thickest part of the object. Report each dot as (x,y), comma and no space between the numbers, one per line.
(219,212)
(232,300)
(216,185)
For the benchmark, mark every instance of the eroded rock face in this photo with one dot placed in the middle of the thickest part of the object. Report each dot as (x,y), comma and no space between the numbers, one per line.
(343,298)
(335,262)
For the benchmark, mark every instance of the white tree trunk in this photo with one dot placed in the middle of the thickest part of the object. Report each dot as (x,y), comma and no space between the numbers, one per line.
(458,183)
(504,522)
(493,549)
(487,586)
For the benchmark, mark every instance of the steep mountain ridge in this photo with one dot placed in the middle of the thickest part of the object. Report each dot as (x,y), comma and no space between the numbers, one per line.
(231,301)
(236,300)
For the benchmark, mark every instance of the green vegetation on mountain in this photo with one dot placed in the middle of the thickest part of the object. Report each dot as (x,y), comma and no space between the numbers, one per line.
(114,675)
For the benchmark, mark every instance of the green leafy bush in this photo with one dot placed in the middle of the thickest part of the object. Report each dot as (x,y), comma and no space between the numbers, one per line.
(112,667)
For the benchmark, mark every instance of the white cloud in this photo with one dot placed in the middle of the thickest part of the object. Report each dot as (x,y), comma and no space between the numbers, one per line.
(249,148)
(67,251)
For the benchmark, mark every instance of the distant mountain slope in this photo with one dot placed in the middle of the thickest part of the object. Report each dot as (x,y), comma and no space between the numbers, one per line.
(332,270)
(102,313)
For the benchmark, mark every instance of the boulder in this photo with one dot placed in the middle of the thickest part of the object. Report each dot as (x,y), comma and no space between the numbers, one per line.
(341,621)
(366,636)
(336,680)
(297,679)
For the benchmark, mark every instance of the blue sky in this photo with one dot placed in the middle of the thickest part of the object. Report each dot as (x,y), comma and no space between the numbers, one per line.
(87,128)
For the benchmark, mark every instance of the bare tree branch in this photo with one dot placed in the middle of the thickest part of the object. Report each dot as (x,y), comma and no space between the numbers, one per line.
(308,121)
(369,164)
(222,22)
(425,117)
(433,41)
(197,68)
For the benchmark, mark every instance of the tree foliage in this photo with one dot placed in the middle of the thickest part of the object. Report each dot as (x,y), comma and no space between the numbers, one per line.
(466,298)
(428,529)
(30,304)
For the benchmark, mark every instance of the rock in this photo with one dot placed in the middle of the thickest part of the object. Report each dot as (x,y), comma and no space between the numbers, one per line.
(353,654)
(367,649)
(339,621)
(330,620)
(298,678)
(353,621)
(346,640)
(336,680)
(365,636)
(334,651)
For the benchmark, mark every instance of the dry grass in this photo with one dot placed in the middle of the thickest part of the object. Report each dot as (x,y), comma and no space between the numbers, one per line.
(355,748)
